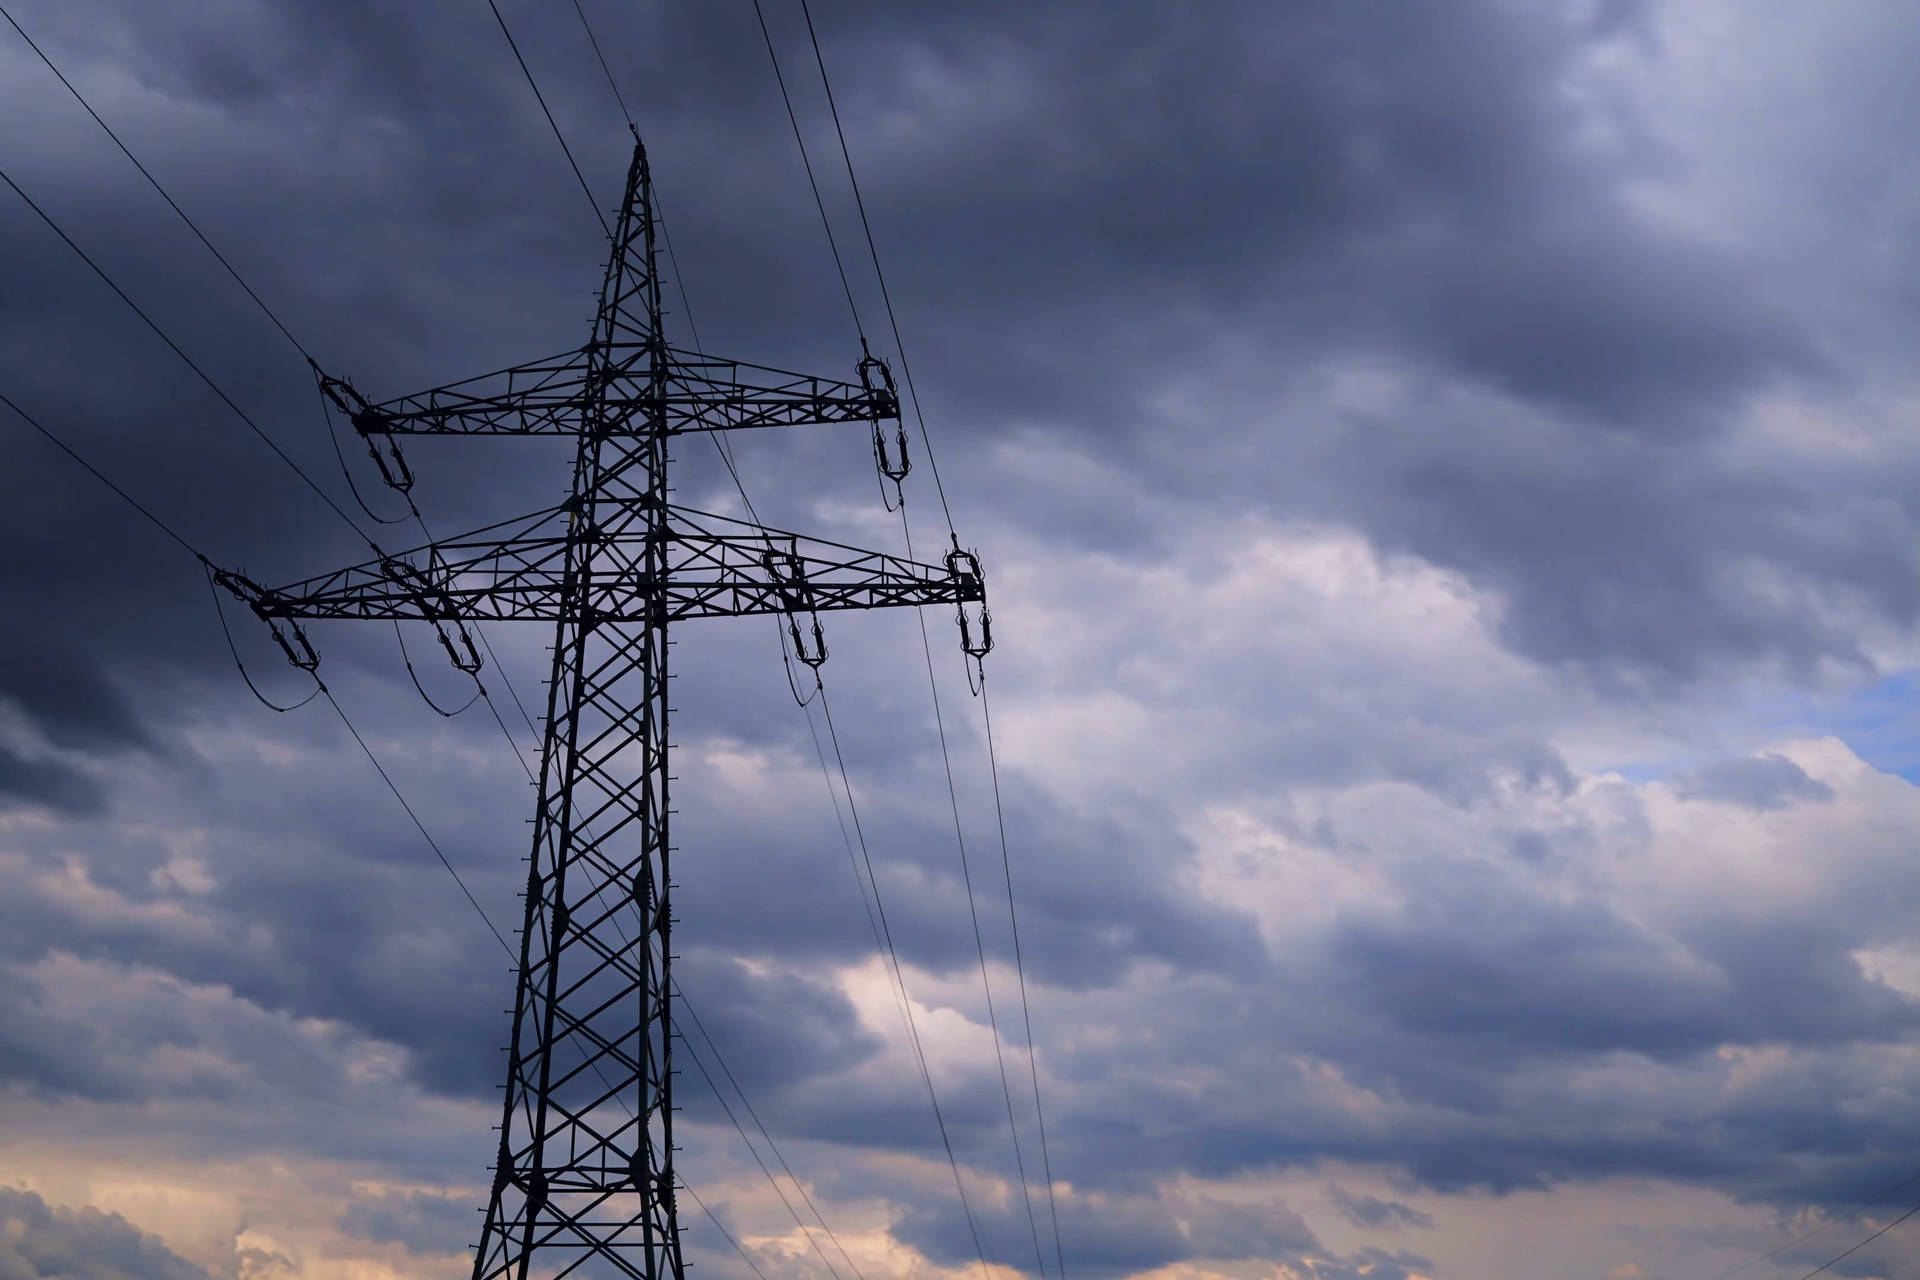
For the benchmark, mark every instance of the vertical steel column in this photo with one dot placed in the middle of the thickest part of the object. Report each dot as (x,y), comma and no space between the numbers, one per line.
(584,1176)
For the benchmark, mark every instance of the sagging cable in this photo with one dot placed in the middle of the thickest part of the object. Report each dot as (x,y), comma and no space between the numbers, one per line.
(298,649)
(478,689)
(437,610)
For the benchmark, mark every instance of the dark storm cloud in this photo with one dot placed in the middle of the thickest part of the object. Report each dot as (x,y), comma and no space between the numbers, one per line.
(39,1240)
(1135,236)
(1407,181)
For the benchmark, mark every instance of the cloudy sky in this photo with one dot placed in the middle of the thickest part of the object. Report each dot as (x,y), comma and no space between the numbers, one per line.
(1445,476)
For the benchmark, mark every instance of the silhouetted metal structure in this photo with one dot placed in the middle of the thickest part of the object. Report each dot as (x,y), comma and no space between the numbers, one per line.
(584,1183)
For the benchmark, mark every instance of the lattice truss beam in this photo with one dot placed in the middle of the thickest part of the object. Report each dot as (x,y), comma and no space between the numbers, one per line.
(700,393)
(715,567)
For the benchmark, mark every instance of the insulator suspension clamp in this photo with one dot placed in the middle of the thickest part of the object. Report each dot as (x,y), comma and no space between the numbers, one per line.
(291,638)
(430,593)
(369,422)
(969,578)
(894,463)
(789,579)
(818,655)
(894,468)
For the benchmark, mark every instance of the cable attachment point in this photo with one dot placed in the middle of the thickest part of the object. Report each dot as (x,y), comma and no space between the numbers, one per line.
(893,462)
(788,576)
(876,376)
(371,423)
(299,650)
(428,591)
(971,584)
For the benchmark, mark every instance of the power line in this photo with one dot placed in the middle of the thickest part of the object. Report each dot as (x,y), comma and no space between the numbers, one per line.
(231,270)
(101,476)
(1020,968)
(267,311)
(1863,1244)
(818,203)
(1822,1229)
(220,612)
(880,275)
(321,689)
(752,1150)
(418,825)
(407,658)
(753,1115)
(905,1001)
(719,1060)
(187,359)
(274,318)
(541,98)
(913,1029)
(721,446)
(334,506)
(726,457)
(155,184)
(973,911)
(481,692)
(346,473)
(611,83)
(320,686)
(721,1227)
(906,369)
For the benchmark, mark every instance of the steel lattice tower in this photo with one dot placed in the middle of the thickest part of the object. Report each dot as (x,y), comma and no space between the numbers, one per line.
(583,1182)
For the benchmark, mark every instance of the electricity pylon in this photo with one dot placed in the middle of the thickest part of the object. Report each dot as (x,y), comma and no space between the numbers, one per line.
(583,1182)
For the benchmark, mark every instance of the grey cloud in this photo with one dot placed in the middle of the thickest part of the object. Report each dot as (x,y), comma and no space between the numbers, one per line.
(1121,1236)
(68,695)
(47,782)
(1769,781)
(1531,974)
(423,1223)
(1371,1211)
(781,1029)
(1372,1264)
